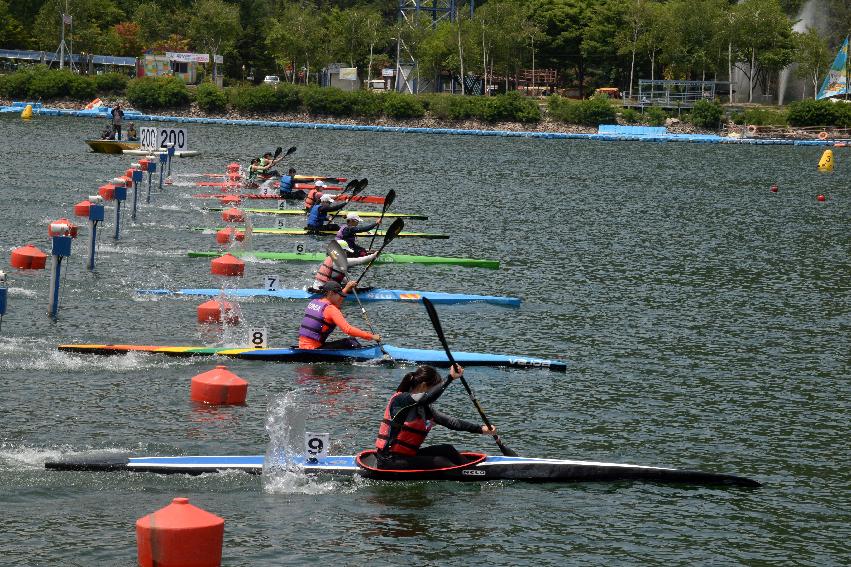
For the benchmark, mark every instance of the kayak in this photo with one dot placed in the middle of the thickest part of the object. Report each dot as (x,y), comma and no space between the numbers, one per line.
(382,259)
(374,294)
(478,468)
(255,185)
(306,231)
(362,354)
(371,199)
(298,178)
(366,214)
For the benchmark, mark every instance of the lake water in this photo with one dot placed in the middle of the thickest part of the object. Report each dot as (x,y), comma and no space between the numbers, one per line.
(705,320)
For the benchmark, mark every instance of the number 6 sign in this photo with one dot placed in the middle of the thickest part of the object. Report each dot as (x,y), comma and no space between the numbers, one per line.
(316,445)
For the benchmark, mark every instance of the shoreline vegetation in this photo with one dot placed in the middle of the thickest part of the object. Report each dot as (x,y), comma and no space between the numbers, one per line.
(512,111)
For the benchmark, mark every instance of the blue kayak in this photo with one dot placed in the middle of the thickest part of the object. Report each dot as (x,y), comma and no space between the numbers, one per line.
(374,294)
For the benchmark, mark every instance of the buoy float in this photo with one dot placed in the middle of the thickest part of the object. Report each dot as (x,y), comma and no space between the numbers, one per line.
(107,191)
(230,200)
(218,386)
(774,187)
(62,227)
(214,311)
(81,209)
(821,198)
(27,113)
(839,144)
(233,215)
(229,234)
(180,535)
(233,166)
(28,258)
(826,161)
(227,265)
(822,135)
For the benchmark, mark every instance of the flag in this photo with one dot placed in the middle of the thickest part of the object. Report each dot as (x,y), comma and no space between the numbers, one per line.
(834,82)
(67,19)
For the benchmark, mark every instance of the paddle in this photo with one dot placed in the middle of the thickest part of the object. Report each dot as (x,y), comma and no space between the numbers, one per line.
(391,233)
(341,262)
(432,314)
(388,200)
(356,189)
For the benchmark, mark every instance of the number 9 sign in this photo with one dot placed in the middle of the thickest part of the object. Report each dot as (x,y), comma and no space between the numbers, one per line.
(316,445)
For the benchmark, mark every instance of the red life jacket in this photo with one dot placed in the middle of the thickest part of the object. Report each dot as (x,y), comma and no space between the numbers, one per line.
(408,438)
(327,271)
(311,199)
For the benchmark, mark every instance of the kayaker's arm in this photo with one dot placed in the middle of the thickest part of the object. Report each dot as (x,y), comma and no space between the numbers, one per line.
(455,423)
(331,208)
(364,228)
(336,317)
(362,259)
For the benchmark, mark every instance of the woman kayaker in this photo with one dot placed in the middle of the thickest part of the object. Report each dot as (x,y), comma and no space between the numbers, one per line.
(323,315)
(349,232)
(409,417)
(317,218)
(328,271)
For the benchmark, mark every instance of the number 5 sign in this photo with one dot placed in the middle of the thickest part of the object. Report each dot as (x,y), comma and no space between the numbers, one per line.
(316,445)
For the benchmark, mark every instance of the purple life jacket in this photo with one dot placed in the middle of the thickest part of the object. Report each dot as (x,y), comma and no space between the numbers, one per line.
(313,325)
(347,234)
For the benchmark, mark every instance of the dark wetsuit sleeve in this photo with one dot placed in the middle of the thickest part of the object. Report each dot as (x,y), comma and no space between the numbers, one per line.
(454,423)
(365,228)
(332,208)
(407,400)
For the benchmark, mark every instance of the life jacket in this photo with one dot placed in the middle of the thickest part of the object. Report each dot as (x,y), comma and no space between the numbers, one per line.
(287,184)
(345,233)
(317,216)
(313,325)
(408,438)
(328,271)
(311,199)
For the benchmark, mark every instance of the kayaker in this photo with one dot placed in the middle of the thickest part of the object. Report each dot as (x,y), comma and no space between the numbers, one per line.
(117,118)
(313,195)
(131,132)
(409,417)
(323,315)
(287,184)
(265,166)
(329,272)
(349,233)
(317,219)
(254,169)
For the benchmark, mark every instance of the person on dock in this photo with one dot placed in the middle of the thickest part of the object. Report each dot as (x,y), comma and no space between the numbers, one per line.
(317,218)
(409,417)
(329,272)
(323,315)
(117,118)
(132,135)
(314,195)
(349,232)
(287,186)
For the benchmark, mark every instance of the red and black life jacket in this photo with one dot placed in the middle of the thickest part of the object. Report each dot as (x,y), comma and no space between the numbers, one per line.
(312,198)
(328,271)
(408,438)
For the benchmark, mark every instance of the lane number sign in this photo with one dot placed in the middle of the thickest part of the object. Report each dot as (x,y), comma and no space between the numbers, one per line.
(257,337)
(299,247)
(272,282)
(316,445)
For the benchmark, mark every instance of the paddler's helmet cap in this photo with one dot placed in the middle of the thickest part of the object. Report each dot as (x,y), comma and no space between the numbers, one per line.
(353,216)
(326,199)
(319,183)
(345,245)
(331,285)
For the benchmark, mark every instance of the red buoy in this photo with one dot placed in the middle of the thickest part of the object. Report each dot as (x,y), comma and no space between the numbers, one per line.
(28,258)
(219,386)
(774,188)
(107,191)
(230,200)
(234,176)
(81,209)
(227,265)
(233,215)
(62,227)
(821,198)
(233,166)
(180,535)
(143,164)
(229,234)
(127,180)
(217,311)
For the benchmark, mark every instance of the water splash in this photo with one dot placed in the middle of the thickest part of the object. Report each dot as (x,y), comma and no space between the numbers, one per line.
(812,15)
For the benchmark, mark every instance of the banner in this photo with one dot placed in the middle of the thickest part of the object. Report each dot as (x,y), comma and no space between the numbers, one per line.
(188,57)
(835,82)
(388,72)
(348,73)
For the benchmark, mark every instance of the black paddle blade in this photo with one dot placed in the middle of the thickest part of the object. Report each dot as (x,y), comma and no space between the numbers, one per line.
(363,183)
(388,200)
(393,231)
(291,151)
(338,256)
(435,322)
(278,151)
(358,188)
(350,185)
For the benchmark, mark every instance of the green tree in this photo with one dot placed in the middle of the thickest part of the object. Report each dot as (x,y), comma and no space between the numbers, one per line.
(813,57)
(565,24)
(12,34)
(765,40)
(631,37)
(296,39)
(91,21)
(214,27)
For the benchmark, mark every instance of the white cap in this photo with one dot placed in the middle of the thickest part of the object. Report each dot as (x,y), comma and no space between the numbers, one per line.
(319,183)
(326,198)
(353,216)
(345,245)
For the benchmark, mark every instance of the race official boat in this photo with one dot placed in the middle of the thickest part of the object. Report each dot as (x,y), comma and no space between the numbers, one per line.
(373,294)
(382,258)
(370,353)
(112,146)
(478,468)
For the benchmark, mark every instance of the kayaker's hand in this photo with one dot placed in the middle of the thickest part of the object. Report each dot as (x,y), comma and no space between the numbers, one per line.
(488,430)
(456,371)
(349,286)
(376,338)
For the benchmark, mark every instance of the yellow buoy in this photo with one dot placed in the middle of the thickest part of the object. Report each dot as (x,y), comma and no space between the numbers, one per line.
(27,113)
(826,161)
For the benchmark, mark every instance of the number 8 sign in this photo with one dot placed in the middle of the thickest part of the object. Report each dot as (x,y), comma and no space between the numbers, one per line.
(257,338)
(316,445)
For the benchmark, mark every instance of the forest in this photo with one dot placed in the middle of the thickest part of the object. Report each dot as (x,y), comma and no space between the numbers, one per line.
(590,43)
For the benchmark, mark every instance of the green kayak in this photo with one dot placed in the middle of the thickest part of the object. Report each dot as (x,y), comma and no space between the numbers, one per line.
(382,259)
(304,232)
(368,214)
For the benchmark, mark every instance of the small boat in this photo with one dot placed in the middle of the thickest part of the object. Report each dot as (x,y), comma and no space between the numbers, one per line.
(112,146)
(373,294)
(177,153)
(371,199)
(300,212)
(307,231)
(478,468)
(362,354)
(382,259)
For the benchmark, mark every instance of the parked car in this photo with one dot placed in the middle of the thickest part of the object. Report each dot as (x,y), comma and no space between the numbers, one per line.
(272,79)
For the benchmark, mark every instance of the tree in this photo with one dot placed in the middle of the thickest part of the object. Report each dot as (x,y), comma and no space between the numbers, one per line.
(128,35)
(765,39)
(91,22)
(813,57)
(12,34)
(214,27)
(630,38)
(295,39)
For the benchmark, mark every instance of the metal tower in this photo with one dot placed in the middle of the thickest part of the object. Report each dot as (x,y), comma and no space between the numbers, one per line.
(437,10)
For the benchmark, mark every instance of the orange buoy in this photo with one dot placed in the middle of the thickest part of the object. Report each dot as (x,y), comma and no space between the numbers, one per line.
(81,209)
(227,265)
(143,164)
(28,258)
(233,166)
(62,227)
(217,311)
(234,176)
(180,535)
(107,191)
(219,386)
(228,235)
(230,200)
(821,198)
(233,215)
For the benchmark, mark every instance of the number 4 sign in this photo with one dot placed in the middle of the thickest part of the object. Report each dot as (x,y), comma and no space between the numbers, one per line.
(316,445)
